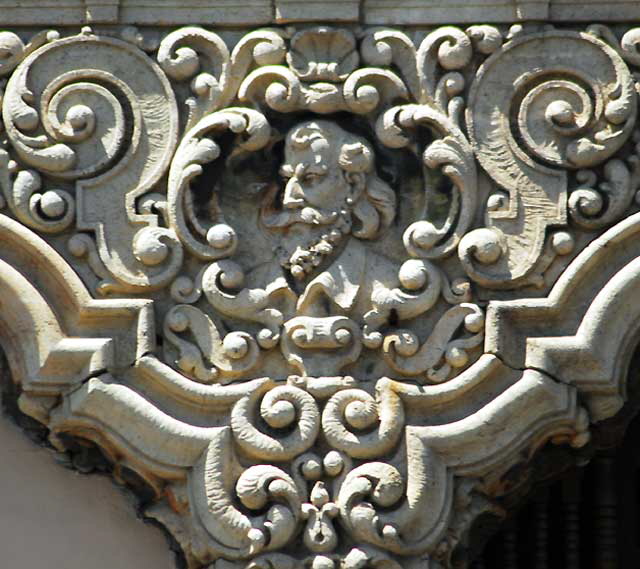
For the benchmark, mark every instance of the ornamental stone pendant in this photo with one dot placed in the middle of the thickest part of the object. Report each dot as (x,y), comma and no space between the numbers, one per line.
(320,286)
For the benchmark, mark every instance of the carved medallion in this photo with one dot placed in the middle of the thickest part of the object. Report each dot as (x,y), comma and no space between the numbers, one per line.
(281,277)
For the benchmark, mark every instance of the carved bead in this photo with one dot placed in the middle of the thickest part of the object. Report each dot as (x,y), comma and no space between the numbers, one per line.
(344,364)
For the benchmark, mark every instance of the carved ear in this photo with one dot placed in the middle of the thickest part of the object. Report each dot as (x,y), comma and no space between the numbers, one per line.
(369,220)
(357,182)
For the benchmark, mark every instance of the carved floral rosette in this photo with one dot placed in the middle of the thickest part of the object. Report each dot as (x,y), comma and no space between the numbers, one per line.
(320,288)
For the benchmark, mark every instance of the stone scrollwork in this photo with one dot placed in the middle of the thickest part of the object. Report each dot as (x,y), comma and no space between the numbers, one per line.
(75,111)
(529,123)
(197,148)
(451,154)
(321,288)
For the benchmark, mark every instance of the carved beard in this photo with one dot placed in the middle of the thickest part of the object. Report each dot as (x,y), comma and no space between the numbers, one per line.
(306,258)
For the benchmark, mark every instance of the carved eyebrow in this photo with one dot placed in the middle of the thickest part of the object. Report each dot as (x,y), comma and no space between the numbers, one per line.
(287,171)
(317,169)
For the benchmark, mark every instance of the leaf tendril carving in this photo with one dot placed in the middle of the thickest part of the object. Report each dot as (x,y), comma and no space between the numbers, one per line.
(357,275)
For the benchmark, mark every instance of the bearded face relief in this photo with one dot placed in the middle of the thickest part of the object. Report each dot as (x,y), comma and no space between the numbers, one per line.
(301,232)
(333,292)
(323,340)
(330,182)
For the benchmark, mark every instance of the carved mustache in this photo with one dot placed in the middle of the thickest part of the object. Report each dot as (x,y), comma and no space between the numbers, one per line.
(307,214)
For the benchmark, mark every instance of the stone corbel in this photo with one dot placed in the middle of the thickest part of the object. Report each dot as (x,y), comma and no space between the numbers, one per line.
(356,276)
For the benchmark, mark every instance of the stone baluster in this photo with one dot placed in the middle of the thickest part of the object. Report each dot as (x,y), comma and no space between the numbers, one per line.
(605,521)
(510,547)
(571,490)
(541,530)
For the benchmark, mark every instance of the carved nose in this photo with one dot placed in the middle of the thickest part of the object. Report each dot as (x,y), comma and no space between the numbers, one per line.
(293,195)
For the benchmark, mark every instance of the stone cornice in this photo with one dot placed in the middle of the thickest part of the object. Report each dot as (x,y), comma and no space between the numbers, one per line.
(265,12)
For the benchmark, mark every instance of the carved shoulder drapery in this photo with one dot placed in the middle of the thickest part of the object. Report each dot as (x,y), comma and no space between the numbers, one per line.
(323,287)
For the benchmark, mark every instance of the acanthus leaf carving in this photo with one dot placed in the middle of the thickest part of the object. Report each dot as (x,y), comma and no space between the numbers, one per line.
(232,355)
(196,149)
(453,155)
(405,354)
(326,368)
(235,532)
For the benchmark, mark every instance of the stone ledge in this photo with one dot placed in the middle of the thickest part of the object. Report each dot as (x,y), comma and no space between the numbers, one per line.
(264,12)
(458,11)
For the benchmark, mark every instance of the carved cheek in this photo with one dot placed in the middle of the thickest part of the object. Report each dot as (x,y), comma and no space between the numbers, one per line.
(326,192)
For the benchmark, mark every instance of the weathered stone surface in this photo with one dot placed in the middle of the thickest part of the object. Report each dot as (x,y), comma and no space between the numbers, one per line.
(321,287)
(431,12)
(264,12)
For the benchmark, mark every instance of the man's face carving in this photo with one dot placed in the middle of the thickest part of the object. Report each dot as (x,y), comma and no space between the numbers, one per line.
(314,181)
(314,210)
(329,180)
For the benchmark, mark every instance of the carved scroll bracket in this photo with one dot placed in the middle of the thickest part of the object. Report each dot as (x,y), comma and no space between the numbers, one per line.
(535,108)
(323,350)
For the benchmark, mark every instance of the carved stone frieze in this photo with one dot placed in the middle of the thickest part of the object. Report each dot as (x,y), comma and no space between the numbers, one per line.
(321,288)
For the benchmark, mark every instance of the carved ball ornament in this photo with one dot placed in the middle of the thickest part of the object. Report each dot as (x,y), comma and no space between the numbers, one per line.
(320,288)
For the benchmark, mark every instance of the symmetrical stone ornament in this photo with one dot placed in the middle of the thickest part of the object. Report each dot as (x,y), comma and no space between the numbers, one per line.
(322,287)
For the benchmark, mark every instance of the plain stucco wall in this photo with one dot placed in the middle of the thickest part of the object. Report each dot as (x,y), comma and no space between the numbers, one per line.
(51,517)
